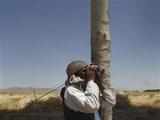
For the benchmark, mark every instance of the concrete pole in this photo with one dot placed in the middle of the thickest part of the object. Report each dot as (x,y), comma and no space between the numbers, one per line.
(101,49)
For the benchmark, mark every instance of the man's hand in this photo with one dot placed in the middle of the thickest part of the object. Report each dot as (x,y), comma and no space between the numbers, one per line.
(91,72)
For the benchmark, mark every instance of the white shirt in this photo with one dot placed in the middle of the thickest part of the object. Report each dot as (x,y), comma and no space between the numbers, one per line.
(84,101)
(109,95)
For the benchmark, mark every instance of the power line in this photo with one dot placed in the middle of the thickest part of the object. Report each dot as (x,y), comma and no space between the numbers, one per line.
(50,91)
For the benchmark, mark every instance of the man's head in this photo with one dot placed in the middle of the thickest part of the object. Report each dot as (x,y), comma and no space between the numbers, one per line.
(75,66)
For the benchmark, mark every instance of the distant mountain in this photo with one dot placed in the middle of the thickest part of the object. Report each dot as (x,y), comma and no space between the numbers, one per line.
(152,90)
(26,90)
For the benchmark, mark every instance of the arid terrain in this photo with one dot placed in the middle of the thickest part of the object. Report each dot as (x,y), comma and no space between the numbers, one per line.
(137,105)
(131,105)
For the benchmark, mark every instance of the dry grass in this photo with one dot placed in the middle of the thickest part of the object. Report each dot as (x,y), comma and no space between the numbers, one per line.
(137,99)
(130,105)
(20,101)
(143,99)
(137,106)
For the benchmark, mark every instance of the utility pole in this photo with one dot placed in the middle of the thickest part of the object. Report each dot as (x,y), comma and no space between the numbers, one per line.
(101,51)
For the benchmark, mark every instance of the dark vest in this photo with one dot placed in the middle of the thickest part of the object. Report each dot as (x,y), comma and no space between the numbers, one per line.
(73,115)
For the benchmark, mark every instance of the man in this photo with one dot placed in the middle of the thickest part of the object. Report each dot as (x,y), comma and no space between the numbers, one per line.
(81,93)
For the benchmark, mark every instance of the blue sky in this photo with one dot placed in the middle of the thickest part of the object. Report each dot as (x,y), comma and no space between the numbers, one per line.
(39,38)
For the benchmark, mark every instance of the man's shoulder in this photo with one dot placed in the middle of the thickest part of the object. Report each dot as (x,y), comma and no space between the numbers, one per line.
(71,89)
(62,92)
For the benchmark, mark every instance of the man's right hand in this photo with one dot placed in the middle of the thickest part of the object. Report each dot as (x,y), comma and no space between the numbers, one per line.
(91,72)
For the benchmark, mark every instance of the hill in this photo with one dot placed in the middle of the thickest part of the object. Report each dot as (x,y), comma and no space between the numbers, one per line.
(24,90)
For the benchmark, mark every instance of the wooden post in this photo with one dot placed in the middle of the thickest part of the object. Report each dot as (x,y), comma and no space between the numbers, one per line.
(101,48)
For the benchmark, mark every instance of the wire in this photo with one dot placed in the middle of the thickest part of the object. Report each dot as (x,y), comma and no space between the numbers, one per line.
(50,91)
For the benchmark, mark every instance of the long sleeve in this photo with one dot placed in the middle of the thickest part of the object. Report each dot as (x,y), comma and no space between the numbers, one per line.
(87,101)
(109,96)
